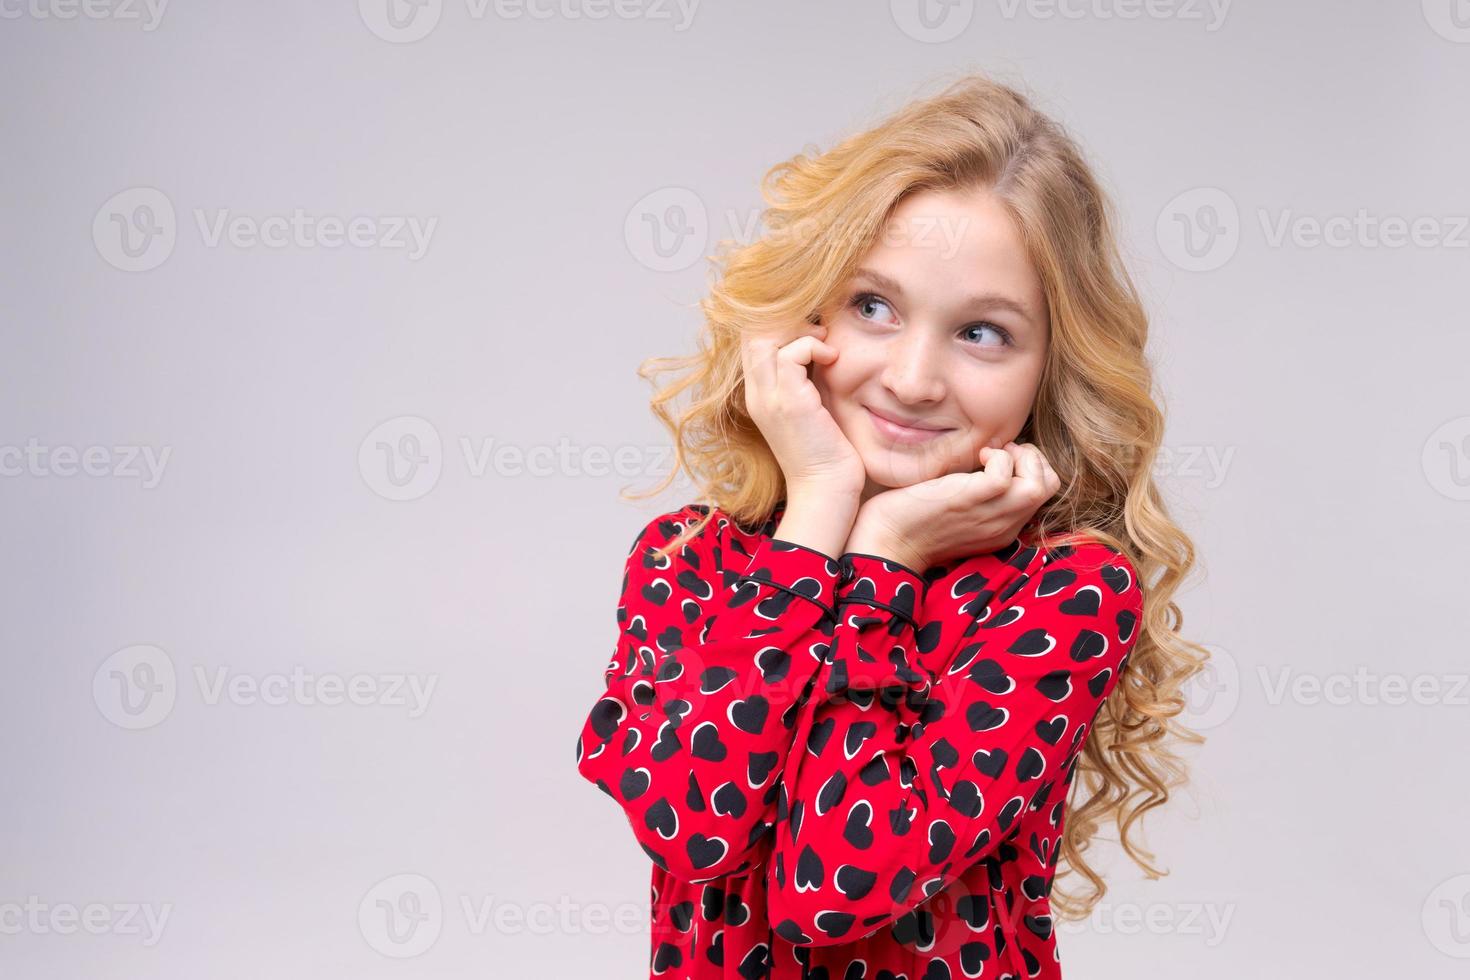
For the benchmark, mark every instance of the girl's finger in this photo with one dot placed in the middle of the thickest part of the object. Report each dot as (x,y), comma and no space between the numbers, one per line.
(1028,463)
(1050,475)
(792,359)
(998,463)
(800,348)
(761,369)
(983,484)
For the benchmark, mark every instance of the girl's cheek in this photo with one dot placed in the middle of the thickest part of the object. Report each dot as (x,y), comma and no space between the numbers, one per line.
(968,460)
(830,400)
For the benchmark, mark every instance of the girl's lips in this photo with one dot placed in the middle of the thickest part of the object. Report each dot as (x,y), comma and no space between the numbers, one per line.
(901,433)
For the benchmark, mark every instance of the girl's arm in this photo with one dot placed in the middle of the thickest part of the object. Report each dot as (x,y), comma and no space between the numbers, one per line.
(692,732)
(896,785)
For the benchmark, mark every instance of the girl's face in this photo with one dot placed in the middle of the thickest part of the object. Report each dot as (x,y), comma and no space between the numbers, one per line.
(944,327)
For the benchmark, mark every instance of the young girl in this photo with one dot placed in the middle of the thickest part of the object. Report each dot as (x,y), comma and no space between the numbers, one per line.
(921,641)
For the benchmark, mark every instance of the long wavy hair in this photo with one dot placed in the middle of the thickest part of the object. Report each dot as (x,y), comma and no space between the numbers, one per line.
(1094,416)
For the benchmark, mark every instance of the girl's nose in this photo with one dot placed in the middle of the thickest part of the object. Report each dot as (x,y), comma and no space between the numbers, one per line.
(915,367)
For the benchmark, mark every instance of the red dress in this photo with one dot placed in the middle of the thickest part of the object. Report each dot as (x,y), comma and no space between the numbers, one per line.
(842,769)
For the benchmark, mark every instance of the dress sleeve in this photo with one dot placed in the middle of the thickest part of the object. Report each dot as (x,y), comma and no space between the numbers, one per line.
(901,781)
(710,666)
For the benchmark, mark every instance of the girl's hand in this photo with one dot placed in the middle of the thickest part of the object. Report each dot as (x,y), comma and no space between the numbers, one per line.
(787,408)
(957,515)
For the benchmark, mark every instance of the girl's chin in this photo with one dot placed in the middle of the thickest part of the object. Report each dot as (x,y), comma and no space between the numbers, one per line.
(890,467)
(885,476)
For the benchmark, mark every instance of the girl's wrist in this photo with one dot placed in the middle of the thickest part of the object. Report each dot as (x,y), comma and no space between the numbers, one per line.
(818,519)
(869,542)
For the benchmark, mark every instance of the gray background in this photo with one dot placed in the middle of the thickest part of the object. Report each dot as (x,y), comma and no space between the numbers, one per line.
(1319,455)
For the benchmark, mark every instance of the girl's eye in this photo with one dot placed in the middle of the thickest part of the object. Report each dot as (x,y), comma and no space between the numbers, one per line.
(1005,338)
(864,301)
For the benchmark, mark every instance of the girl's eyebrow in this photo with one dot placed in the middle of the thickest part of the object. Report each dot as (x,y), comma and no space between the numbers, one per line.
(993,300)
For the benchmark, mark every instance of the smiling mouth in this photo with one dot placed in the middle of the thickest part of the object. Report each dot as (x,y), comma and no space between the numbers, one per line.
(898,432)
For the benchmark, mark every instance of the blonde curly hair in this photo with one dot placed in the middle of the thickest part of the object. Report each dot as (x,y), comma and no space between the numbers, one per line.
(1094,416)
